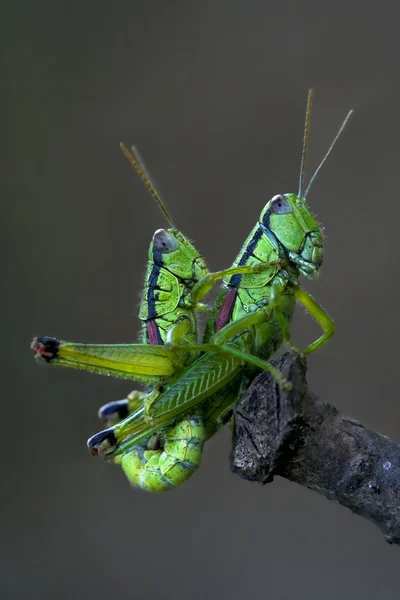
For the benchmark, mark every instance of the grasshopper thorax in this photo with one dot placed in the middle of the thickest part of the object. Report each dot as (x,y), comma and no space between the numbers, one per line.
(173,268)
(171,250)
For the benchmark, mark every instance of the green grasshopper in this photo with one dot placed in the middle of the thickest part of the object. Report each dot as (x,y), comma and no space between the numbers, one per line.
(249,322)
(254,308)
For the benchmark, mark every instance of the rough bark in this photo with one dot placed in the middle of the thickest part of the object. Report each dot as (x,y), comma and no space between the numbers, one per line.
(299,437)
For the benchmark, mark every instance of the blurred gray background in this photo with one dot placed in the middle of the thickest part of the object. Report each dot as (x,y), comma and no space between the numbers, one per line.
(213,94)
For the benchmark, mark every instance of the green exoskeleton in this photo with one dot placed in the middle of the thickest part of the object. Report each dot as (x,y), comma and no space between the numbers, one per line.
(250,320)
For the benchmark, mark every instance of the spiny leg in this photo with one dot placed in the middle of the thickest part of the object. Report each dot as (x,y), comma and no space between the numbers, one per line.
(322,318)
(143,362)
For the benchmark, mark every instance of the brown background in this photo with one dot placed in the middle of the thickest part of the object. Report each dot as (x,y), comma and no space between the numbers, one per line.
(213,94)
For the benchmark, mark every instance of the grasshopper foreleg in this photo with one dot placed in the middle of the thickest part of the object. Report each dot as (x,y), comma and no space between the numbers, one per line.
(322,318)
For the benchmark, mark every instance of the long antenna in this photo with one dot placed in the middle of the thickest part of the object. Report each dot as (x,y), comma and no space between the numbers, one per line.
(305,140)
(329,151)
(140,170)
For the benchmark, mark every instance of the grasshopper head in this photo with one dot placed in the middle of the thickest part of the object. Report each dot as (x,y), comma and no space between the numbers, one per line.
(289,219)
(170,249)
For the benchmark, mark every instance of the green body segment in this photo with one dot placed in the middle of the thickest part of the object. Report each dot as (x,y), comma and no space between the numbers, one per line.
(161,470)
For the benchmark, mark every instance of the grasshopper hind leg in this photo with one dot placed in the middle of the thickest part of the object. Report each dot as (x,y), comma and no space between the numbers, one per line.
(170,465)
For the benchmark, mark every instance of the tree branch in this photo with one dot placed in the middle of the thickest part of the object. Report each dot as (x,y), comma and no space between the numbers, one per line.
(295,435)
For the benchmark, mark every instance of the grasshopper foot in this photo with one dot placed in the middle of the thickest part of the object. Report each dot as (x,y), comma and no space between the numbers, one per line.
(45,348)
(113,412)
(286,385)
(293,349)
(102,443)
(296,351)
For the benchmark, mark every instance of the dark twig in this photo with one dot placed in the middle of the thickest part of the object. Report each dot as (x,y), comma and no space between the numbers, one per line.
(295,435)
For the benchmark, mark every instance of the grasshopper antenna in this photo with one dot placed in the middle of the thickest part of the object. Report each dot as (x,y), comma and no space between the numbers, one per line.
(329,151)
(137,164)
(305,140)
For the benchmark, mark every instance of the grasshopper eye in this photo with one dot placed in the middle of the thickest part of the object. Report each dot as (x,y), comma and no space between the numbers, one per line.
(280,205)
(164,241)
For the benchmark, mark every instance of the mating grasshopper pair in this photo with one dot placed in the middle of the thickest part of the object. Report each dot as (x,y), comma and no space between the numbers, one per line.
(158,436)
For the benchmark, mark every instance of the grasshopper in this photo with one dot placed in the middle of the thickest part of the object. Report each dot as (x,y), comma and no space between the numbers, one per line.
(250,320)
